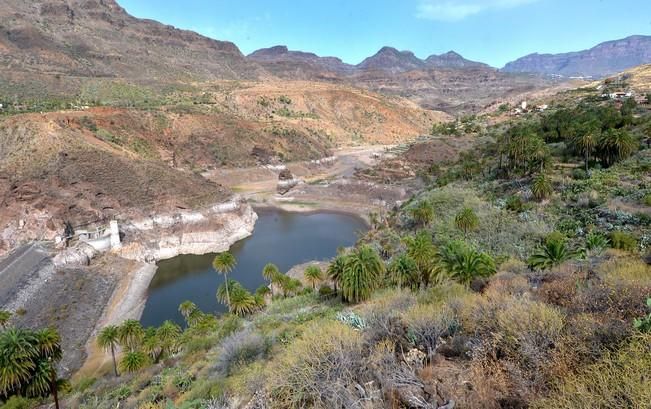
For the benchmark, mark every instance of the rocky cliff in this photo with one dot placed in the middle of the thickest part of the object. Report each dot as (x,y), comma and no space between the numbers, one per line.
(603,59)
(210,230)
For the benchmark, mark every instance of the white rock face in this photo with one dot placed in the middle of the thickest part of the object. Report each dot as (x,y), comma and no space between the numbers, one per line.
(210,230)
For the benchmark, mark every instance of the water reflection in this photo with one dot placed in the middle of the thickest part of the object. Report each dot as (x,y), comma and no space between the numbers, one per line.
(282,238)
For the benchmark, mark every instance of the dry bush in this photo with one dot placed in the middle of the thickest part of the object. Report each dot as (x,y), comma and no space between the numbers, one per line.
(514,266)
(620,380)
(239,349)
(508,284)
(442,293)
(321,369)
(426,324)
(626,269)
(620,290)
(587,338)
(560,290)
(382,316)
(518,334)
(399,383)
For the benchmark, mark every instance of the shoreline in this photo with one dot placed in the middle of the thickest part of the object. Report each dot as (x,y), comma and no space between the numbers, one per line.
(130,297)
(317,208)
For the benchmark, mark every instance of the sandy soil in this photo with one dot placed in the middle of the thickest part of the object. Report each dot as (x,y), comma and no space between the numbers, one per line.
(331,186)
(127,302)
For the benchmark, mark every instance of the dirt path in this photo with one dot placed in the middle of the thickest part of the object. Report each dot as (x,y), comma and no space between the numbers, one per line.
(127,302)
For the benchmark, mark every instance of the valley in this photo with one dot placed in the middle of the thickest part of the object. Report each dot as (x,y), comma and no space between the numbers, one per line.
(184,226)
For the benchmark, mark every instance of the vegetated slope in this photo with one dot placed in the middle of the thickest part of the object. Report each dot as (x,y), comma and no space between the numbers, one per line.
(604,59)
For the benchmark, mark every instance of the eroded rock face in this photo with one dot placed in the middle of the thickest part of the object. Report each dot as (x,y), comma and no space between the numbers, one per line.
(286,181)
(210,230)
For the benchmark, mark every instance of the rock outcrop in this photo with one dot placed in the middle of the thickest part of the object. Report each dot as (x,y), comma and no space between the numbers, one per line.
(210,230)
(286,181)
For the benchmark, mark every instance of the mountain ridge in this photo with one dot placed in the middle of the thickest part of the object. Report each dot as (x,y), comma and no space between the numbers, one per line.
(603,59)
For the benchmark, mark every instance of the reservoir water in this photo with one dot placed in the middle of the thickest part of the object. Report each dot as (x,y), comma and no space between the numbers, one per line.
(282,238)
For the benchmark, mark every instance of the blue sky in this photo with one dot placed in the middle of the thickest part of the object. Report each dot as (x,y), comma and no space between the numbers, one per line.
(491,31)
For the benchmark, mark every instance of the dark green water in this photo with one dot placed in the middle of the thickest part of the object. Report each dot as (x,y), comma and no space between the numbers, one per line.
(282,238)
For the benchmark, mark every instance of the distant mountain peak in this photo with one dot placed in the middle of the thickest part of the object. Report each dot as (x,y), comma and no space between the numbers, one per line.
(601,60)
(392,60)
(451,59)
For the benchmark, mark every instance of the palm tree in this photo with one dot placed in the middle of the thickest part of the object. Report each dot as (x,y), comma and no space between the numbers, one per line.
(336,269)
(28,363)
(263,291)
(616,144)
(44,380)
(131,334)
(586,143)
(403,269)
(466,220)
(187,308)
(421,249)
(133,361)
(361,273)
(541,188)
(5,316)
(17,359)
(169,335)
(291,286)
(595,244)
(269,272)
(552,253)
(224,264)
(313,275)
(465,263)
(151,345)
(243,302)
(423,213)
(108,339)
(224,290)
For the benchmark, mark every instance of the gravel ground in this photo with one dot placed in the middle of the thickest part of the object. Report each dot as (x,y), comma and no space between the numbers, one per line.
(71,300)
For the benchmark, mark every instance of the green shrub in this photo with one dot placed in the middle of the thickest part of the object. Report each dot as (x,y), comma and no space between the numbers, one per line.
(644,324)
(515,203)
(17,402)
(579,174)
(623,241)
(647,199)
